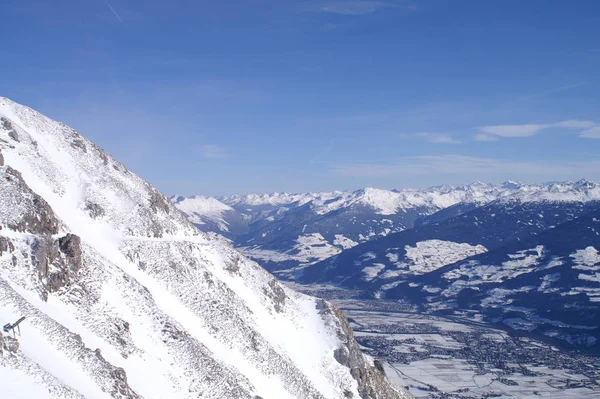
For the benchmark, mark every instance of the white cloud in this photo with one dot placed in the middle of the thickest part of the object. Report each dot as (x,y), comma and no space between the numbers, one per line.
(212,151)
(576,124)
(513,130)
(485,137)
(592,133)
(528,130)
(436,138)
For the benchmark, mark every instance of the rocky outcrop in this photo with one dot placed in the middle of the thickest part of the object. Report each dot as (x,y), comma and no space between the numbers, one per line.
(21,209)
(5,123)
(277,295)
(371,379)
(10,344)
(58,261)
(94,210)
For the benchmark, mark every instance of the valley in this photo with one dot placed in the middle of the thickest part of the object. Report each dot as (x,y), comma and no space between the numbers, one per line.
(461,357)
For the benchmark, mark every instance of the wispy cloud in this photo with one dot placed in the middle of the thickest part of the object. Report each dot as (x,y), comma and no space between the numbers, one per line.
(353,7)
(492,133)
(113,11)
(513,130)
(486,137)
(475,167)
(591,133)
(436,138)
(212,151)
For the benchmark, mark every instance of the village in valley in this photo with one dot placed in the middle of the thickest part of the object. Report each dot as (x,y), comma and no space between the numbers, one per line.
(460,358)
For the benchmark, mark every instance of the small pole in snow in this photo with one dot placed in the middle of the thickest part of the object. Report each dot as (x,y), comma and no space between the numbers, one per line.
(8,327)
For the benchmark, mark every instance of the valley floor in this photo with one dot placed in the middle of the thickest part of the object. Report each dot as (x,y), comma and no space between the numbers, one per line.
(455,357)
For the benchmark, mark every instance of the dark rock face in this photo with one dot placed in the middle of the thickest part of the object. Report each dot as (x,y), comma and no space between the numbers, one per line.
(1,159)
(70,246)
(372,382)
(38,217)
(58,261)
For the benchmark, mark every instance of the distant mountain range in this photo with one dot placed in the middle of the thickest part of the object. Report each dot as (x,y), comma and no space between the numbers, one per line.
(285,231)
(522,256)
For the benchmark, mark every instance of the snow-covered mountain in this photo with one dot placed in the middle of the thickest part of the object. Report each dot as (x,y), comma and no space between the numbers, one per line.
(283,231)
(125,298)
(527,261)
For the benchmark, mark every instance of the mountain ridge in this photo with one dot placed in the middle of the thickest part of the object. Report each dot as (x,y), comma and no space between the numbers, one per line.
(131,300)
(287,231)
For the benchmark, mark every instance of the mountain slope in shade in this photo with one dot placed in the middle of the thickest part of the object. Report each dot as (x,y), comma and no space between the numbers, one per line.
(547,285)
(125,298)
(441,243)
(528,265)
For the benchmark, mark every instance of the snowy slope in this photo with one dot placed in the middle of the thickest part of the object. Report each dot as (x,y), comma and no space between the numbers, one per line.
(125,298)
(211,215)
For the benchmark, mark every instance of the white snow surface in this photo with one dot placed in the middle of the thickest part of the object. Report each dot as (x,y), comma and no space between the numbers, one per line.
(430,255)
(199,207)
(181,312)
(388,202)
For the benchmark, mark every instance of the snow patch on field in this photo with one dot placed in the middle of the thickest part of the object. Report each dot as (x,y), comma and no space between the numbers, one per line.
(344,242)
(370,272)
(586,259)
(430,255)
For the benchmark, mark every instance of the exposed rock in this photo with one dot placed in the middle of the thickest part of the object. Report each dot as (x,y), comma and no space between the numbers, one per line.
(78,143)
(371,379)
(6,124)
(233,266)
(10,344)
(58,261)
(6,245)
(1,159)
(34,216)
(277,294)
(158,202)
(379,366)
(94,210)
(70,246)
(13,135)
(121,387)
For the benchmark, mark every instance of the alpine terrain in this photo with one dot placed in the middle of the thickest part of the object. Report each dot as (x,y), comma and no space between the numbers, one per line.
(523,255)
(283,231)
(123,297)
(528,262)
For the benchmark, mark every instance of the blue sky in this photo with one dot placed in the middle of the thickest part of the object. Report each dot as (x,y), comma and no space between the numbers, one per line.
(221,97)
